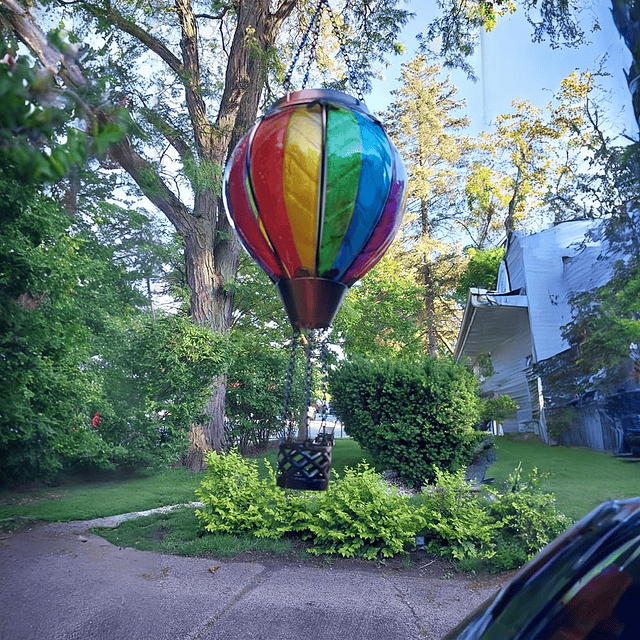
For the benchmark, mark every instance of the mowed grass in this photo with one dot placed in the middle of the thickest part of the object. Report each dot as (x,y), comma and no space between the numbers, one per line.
(108,494)
(581,479)
(179,532)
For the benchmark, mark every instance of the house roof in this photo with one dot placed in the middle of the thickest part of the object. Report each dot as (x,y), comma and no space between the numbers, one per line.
(489,319)
(539,275)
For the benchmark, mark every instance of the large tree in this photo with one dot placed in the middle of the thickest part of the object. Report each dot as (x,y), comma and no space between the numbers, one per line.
(193,75)
(425,121)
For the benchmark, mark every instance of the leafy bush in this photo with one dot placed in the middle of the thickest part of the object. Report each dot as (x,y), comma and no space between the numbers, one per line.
(409,416)
(237,500)
(456,525)
(497,409)
(529,520)
(359,515)
(256,382)
(155,384)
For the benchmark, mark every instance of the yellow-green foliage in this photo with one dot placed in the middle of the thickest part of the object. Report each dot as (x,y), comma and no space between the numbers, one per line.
(360,515)
(237,500)
(455,523)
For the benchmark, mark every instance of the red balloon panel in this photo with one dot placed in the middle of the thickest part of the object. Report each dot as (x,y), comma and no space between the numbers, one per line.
(245,217)
(267,151)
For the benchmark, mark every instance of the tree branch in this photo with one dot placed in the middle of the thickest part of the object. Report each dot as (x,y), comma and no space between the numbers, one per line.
(127,26)
(171,133)
(27,30)
(284,11)
(191,78)
(146,177)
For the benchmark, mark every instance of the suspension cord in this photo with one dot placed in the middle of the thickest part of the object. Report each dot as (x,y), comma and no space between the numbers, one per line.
(312,50)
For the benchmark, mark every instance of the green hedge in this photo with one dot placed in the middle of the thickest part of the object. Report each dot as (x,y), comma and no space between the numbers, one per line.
(409,416)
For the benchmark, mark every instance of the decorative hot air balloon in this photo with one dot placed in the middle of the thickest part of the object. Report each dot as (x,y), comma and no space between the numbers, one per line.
(315,192)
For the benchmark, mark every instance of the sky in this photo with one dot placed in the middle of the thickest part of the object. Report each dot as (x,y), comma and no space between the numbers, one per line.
(510,66)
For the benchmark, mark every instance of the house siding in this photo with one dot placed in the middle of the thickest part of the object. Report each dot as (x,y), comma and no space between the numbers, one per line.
(540,273)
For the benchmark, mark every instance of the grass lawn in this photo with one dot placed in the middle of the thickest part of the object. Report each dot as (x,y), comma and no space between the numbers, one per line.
(102,495)
(110,494)
(581,479)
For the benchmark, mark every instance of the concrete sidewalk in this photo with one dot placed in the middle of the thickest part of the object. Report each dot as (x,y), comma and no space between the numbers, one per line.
(59,582)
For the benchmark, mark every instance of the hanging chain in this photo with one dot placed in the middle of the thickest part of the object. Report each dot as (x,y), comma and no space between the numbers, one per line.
(315,18)
(312,50)
(287,389)
(314,30)
(343,50)
(308,378)
(325,375)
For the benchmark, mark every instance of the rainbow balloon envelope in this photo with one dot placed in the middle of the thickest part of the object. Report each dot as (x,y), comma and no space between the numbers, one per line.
(315,191)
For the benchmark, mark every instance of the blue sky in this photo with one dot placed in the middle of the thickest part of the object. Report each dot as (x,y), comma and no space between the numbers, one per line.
(514,67)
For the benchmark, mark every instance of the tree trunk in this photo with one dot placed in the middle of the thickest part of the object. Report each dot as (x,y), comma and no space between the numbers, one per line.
(209,266)
(211,250)
(429,309)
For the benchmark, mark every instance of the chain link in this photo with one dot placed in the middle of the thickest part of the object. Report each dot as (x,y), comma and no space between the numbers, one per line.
(287,390)
(314,19)
(314,30)
(343,50)
(312,50)
(325,376)
(311,337)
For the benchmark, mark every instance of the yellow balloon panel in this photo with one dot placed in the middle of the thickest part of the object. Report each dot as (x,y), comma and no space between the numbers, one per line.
(301,181)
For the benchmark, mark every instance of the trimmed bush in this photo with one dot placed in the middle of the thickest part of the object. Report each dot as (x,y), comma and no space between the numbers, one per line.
(411,417)
(359,515)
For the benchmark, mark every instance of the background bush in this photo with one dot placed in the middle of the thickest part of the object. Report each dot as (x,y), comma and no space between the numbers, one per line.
(529,520)
(456,523)
(409,416)
(256,383)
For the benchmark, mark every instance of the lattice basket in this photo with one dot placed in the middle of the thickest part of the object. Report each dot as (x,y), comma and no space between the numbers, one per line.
(304,465)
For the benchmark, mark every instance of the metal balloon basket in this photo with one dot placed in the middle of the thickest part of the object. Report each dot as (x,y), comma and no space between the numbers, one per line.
(304,465)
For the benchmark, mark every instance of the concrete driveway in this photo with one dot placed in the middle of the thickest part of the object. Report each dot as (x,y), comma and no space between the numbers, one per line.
(60,582)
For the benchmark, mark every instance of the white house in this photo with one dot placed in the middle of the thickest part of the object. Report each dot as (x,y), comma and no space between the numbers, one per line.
(519,324)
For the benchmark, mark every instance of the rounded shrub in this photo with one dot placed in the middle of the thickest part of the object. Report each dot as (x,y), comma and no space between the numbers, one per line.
(411,416)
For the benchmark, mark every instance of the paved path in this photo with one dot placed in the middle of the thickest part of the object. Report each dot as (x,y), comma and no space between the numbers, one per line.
(59,582)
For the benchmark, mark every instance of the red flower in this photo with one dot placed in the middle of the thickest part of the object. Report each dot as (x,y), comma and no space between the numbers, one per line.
(96,420)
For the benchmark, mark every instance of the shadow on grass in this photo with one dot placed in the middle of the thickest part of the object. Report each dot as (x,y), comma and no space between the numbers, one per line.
(179,532)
